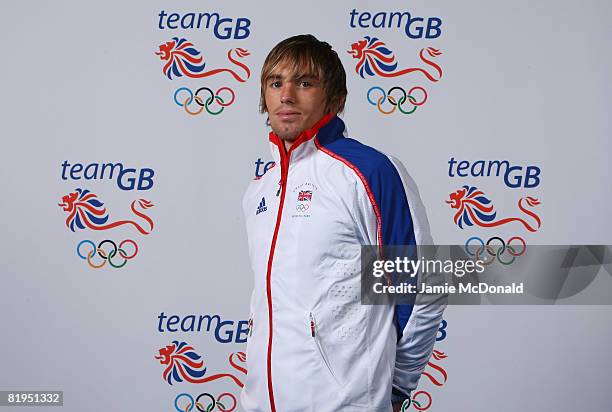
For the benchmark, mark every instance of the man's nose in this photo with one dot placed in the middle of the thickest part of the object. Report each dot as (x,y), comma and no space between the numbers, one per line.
(288,93)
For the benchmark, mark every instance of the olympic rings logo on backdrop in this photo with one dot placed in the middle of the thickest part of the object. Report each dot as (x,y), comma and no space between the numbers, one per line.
(398,100)
(374,58)
(205,104)
(417,405)
(501,249)
(106,256)
(209,406)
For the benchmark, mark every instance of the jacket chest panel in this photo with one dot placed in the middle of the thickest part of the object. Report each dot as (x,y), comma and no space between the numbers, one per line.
(261,213)
(317,225)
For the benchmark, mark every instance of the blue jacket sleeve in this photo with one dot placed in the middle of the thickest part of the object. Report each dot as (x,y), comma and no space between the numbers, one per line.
(404,222)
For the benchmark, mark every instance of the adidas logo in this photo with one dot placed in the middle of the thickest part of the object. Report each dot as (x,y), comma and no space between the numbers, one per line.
(262,206)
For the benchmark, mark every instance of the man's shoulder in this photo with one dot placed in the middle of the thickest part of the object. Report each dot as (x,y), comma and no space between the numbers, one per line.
(366,159)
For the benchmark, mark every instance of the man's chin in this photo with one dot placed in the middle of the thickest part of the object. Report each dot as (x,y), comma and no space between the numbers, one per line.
(287,132)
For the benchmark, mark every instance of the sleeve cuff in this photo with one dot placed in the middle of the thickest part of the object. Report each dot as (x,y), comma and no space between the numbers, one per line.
(398,395)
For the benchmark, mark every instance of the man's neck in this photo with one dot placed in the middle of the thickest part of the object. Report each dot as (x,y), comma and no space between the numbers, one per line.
(288,144)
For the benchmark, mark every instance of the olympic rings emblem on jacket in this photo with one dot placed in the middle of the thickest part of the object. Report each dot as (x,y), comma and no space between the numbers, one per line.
(106,255)
(215,97)
(501,249)
(209,406)
(397,97)
(301,207)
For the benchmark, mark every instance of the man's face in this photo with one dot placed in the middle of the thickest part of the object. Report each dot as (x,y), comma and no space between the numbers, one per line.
(295,102)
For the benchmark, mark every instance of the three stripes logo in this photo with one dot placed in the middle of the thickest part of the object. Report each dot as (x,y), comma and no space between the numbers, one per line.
(262,206)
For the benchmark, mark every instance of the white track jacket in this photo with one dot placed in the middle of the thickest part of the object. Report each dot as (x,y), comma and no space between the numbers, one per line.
(312,346)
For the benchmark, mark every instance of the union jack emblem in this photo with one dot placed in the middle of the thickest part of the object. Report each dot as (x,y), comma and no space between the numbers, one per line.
(305,195)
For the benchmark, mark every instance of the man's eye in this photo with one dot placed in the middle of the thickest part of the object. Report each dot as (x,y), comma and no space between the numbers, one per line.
(305,83)
(275,84)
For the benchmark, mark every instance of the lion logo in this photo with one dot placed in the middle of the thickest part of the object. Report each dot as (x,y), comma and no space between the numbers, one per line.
(184,364)
(375,58)
(183,59)
(85,210)
(475,208)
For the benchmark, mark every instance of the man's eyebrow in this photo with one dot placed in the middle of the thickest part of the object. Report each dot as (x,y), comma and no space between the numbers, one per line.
(295,77)
(309,76)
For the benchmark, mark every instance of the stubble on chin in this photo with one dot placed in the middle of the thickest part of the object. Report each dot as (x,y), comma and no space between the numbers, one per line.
(287,134)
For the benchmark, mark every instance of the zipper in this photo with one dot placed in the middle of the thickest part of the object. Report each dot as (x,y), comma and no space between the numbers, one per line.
(280,186)
(281,192)
(313,333)
(250,324)
(285,156)
(312,326)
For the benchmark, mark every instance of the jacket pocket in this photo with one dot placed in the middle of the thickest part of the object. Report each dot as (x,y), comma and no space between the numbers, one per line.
(314,333)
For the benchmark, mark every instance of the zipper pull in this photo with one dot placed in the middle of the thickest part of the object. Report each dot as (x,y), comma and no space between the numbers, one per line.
(312,325)
(280,186)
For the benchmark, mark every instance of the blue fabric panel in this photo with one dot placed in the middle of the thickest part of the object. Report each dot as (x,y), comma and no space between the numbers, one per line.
(386,186)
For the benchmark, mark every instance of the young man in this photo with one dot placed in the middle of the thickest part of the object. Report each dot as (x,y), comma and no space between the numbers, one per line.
(312,346)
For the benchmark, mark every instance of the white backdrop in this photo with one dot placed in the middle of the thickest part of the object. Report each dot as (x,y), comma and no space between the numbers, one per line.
(522,81)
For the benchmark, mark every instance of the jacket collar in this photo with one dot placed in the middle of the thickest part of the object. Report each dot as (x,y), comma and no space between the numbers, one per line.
(326,130)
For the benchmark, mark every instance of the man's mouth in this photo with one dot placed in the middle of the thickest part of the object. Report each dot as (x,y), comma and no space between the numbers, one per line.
(287,114)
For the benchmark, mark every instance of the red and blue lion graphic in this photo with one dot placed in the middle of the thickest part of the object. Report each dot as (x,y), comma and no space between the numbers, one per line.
(183,59)
(86,211)
(475,208)
(184,364)
(375,58)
